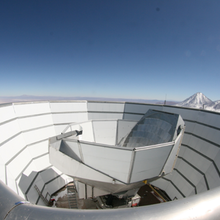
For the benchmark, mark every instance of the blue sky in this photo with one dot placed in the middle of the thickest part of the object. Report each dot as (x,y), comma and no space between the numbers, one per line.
(110,48)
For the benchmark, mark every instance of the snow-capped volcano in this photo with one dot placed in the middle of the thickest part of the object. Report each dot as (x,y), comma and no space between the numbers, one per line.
(197,100)
(215,107)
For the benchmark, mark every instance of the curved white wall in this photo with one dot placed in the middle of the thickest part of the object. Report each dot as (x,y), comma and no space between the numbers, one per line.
(26,127)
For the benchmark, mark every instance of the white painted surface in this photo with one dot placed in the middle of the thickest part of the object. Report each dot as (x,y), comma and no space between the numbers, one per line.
(114,162)
(105,106)
(40,134)
(124,128)
(75,169)
(6,113)
(170,163)
(12,147)
(62,107)
(67,118)
(35,122)
(25,117)
(27,109)
(149,163)
(87,132)
(103,115)
(8,130)
(74,146)
(136,108)
(105,131)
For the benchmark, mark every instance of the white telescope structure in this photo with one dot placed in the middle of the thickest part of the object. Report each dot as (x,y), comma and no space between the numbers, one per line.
(116,156)
(103,146)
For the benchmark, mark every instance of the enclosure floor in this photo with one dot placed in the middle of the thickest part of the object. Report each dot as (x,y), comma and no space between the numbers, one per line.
(148,197)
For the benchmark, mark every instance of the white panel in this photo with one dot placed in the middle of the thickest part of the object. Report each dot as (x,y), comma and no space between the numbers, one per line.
(211,119)
(103,115)
(204,147)
(161,183)
(114,162)
(205,117)
(206,132)
(37,165)
(25,109)
(35,122)
(16,166)
(139,108)
(186,139)
(6,113)
(173,155)
(176,148)
(12,147)
(105,106)
(193,141)
(19,164)
(201,186)
(212,177)
(105,132)
(197,160)
(75,148)
(185,113)
(41,163)
(38,149)
(190,126)
(69,118)
(184,186)
(132,117)
(124,128)
(75,169)
(75,106)
(8,130)
(149,163)
(209,150)
(31,167)
(38,134)
(189,172)
(172,191)
(87,132)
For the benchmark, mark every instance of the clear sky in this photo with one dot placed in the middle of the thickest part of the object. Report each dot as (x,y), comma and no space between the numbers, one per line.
(144,49)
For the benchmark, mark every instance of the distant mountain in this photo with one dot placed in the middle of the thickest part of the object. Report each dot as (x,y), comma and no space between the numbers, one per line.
(25,98)
(214,107)
(197,100)
(200,101)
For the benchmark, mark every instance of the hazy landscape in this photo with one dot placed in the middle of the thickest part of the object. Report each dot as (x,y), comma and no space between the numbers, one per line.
(26,98)
(197,100)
